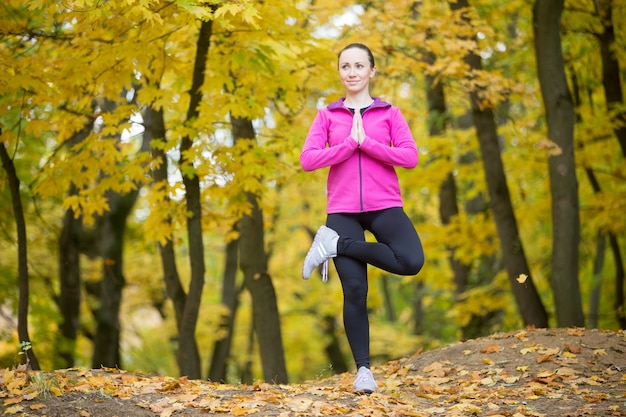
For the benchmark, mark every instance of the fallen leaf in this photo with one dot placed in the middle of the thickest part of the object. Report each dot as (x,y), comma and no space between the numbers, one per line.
(491,349)
(576,332)
(599,352)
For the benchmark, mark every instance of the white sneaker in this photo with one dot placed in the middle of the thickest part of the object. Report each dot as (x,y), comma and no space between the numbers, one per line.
(323,248)
(364,382)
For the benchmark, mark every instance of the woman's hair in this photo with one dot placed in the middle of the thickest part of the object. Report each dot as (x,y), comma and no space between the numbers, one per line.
(362,47)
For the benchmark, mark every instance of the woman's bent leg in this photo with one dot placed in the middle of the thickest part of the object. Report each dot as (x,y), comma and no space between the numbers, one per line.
(398,248)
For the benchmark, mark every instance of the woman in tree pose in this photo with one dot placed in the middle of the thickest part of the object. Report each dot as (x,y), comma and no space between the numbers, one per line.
(361,138)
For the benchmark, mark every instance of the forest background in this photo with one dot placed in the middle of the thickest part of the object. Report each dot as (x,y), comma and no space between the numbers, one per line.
(157,216)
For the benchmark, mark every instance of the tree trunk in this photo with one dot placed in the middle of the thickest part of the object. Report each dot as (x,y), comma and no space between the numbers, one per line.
(188,355)
(110,232)
(526,296)
(70,296)
(253,262)
(448,207)
(620,304)
(387,301)
(155,130)
(611,82)
(333,351)
(563,182)
(613,94)
(230,299)
(22,255)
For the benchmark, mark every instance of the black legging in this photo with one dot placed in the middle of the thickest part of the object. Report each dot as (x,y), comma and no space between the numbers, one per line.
(397,249)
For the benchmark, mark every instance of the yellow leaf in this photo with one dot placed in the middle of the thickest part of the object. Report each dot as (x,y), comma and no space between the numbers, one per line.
(599,352)
(565,371)
(56,391)
(488,361)
(13,410)
(522,278)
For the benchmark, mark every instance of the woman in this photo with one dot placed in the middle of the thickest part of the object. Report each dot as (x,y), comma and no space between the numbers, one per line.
(361,138)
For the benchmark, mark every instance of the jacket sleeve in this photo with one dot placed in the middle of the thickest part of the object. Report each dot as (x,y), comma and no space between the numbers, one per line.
(402,151)
(315,153)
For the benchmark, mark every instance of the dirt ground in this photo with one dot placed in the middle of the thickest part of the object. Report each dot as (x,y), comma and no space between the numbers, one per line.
(542,372)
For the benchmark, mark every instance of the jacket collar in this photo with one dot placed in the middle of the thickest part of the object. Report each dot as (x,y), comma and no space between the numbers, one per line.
(377,104)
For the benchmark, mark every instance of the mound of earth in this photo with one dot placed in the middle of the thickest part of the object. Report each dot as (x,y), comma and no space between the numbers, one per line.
(532,372)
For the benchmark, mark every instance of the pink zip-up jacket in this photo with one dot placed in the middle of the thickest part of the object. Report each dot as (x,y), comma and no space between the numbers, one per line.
(361,178)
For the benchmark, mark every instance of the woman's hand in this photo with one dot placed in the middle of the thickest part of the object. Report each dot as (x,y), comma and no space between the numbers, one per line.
(357,132)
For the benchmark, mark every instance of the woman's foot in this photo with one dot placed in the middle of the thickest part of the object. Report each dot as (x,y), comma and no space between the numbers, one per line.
(364,382)
(323,248)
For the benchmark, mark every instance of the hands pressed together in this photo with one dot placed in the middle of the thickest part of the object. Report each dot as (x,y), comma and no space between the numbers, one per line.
(357,131)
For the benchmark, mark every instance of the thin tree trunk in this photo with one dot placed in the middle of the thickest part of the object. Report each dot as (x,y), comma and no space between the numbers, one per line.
(388,302)
(109,238)
(70,296)
(613,94)
(22,254)
(230,299)
(619,305)
(562,170)
(611,81)
(155,130)
(529,304)
(333,351)
(253,262)
(110,232)
(188,355)
(596,286)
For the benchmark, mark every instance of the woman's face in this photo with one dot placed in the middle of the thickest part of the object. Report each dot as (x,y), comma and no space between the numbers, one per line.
(355,70)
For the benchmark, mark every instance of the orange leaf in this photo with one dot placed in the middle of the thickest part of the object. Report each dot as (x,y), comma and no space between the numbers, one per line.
(491,349)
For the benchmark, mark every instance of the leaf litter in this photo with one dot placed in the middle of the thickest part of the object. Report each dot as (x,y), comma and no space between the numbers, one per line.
(534,372)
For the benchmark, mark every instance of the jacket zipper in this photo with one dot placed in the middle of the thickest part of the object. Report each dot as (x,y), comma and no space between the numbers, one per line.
(360,182)
(361,172)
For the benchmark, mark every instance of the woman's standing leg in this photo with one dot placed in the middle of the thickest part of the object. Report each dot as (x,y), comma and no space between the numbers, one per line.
(353,277)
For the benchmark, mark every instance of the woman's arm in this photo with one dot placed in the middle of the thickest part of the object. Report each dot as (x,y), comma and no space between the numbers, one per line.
(402,150)
(315,153)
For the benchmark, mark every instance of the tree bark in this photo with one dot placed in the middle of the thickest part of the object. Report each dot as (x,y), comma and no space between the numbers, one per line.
(188,355)
(230,299)
(70,296)
(619,305)
(155,130)
(448,207)
(111,228)
(529,304)
(614,97)
(611,81)
(562,170)
(22,255)
(253,263)
(333,350)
